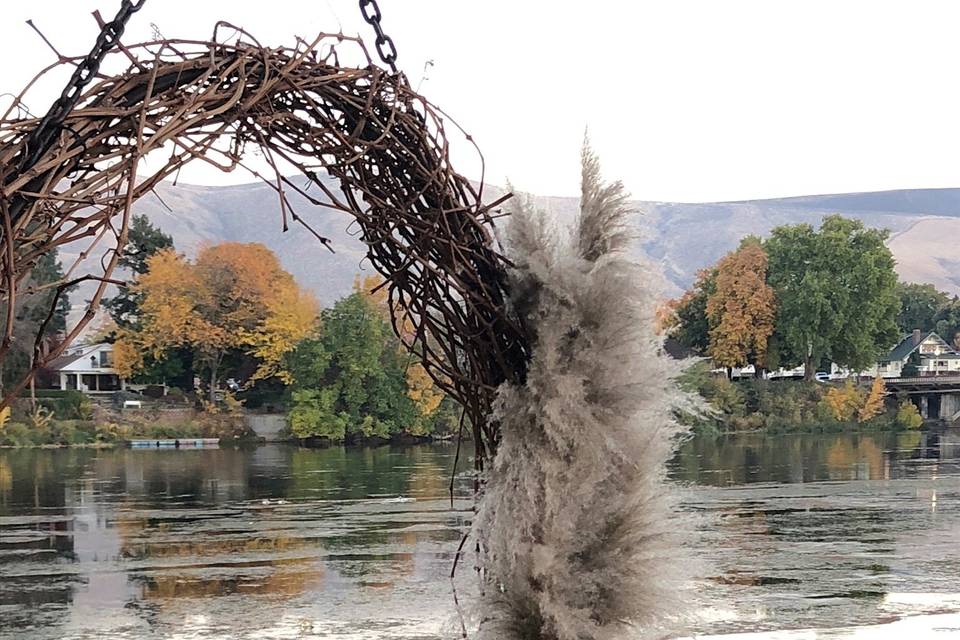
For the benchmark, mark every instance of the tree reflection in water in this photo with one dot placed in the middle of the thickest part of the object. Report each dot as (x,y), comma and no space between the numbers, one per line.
(810,530)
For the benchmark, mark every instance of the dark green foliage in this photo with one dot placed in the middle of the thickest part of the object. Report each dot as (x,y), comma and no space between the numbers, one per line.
(143,240)
(919,304)
(693,327)
(71,405)
(912,368)
(30,312)
(947,322)
(350,382)
(836,289)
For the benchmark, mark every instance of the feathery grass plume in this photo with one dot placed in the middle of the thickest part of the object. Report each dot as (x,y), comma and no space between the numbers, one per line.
(577,530)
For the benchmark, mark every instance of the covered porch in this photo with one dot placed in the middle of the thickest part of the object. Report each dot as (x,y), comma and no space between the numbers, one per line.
(91,382)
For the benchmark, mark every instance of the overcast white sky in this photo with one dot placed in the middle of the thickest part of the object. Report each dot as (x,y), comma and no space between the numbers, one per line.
(686,100)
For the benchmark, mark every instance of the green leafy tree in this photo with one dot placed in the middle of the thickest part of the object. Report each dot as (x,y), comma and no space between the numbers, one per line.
(350,381)
(919,305)
(143,241)
(837,292)
(691,326)
(31,308)
(946,322)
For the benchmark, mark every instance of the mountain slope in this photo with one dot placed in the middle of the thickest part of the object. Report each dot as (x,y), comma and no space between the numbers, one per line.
(681,238)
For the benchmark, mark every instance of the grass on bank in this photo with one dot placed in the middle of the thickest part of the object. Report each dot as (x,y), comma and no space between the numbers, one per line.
(70,419)
(791,406)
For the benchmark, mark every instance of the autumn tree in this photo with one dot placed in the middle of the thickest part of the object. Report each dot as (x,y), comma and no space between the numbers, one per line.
(873,403)
(233,298)
(144,240)
(742,308)
(836,292)
(843,402)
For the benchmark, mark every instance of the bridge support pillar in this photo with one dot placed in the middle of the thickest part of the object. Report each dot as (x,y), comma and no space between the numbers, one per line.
(950,407)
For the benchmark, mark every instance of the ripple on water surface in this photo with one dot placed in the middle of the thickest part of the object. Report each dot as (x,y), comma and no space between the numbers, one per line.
(844,534)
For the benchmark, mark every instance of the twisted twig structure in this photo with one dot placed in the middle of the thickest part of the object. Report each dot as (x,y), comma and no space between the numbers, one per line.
(428,232)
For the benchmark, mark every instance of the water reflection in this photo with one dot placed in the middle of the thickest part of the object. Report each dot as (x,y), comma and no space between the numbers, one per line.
(152,538)
(802,531)
(752,458)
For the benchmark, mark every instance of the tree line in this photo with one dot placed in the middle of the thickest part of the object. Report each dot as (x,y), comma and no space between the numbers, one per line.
(233,313)
(805,296)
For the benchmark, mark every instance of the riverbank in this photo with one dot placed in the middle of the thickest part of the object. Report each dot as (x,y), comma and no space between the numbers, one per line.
(72,421)
(792,406)
(89,433)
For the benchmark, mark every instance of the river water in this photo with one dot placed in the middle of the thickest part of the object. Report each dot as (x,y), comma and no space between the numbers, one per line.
(816,536)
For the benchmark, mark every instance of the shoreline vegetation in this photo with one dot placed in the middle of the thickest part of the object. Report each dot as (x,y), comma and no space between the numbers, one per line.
(228,333)
(817,299)
(792,406)
(72,419)
(342,375)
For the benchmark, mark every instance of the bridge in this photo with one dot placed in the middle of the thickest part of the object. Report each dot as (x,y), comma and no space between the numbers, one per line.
(937,397)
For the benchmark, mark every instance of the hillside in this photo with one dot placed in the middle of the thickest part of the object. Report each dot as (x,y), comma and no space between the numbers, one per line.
(681,238)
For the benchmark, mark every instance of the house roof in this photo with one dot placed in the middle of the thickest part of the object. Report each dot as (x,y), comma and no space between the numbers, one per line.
(906,346)
(78,353)
(62,362)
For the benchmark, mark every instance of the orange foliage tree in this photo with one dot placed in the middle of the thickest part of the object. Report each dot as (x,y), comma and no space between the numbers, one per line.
(843,402)
(742,308)
(873,404)
(234,296)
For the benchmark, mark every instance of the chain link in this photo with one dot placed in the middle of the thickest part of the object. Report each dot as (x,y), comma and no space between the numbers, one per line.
(49,127)
(384,43)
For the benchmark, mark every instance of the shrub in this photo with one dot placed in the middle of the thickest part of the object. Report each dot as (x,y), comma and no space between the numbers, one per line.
(844,402)
(908,416)
(16,434)
(69,405)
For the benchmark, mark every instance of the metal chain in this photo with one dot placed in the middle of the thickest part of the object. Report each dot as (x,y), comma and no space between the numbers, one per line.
(40,139)
(385,47)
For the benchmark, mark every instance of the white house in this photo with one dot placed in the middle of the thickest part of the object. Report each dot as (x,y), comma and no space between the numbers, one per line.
(929,353)
(87,368)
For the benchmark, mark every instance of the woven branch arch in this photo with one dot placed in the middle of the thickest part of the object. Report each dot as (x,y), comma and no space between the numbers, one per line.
(427,231)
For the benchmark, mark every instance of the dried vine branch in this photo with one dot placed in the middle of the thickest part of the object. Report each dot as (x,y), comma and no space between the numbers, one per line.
(426,228)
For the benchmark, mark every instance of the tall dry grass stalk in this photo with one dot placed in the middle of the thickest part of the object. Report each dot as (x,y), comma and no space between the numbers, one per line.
(577,528)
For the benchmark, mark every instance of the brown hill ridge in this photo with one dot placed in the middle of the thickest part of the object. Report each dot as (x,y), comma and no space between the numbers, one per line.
(680,238)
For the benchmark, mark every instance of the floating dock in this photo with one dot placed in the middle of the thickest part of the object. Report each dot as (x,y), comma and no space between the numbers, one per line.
(178,443)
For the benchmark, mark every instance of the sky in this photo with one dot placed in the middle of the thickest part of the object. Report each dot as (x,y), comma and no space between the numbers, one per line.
(684,100)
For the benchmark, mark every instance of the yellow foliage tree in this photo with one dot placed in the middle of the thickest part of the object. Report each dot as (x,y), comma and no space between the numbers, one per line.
(742,309)
(873,405)
(844,401)
(234,296)
(909,416)
(665,318)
